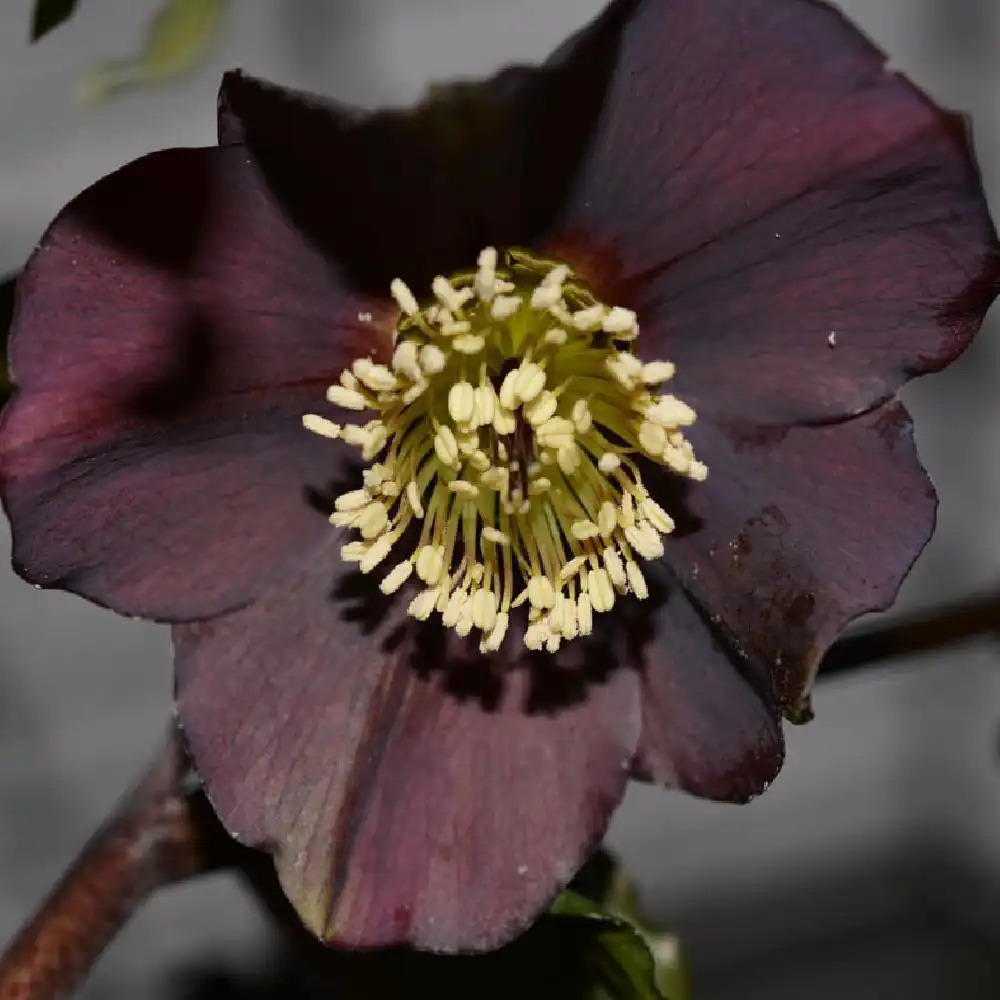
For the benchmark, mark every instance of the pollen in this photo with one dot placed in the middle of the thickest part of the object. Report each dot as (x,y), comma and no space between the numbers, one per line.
(507,440)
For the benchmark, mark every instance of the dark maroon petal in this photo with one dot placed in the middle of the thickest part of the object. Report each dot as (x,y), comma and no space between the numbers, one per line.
(800,229)
(410,792)
(168,335)
(419,192)
(798,531)
(709,725)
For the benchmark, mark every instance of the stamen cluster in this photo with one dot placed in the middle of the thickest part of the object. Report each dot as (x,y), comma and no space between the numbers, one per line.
(506,431)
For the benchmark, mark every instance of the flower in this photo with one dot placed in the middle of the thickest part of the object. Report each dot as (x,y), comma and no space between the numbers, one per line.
(791,229)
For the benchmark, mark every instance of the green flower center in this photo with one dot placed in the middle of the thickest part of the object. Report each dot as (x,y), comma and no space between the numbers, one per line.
(507,427)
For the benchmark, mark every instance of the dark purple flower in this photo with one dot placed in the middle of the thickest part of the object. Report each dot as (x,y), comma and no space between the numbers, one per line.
(797,228)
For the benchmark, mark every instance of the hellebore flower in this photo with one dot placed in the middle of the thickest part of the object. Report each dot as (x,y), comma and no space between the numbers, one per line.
(723,209)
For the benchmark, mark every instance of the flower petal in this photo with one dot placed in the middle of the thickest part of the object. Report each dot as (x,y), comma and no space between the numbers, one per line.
(800,229)
(709,724)
(418,192)
(409,791)
(379,190)
(796,532)
(169,333)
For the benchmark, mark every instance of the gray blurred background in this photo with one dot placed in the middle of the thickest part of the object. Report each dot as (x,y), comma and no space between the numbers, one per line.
(870,869)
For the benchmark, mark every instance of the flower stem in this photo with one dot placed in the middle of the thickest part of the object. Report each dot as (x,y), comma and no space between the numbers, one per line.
(924,631)
(155,836)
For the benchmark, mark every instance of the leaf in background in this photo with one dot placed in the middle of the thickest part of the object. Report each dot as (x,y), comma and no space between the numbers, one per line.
(619,962)
(6,315)
(49,14)
(178,37)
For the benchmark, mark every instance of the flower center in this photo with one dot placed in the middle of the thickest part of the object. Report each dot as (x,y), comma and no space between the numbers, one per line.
(506,429)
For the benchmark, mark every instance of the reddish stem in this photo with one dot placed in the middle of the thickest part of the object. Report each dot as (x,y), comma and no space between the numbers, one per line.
(155,836)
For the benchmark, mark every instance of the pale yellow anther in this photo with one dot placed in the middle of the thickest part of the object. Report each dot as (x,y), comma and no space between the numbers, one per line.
(541,593)
(430,563)
(495,535)
(445,446)
(469,343)
(582,419)
(371,520)
(555,278)
(376,377)
(320,425)
(353,551)
(450,297)
(376,553)
(486,275)
(556,337)
(495,639)
(657,516)
(582,530)
(375,475)
(484,609)
(468,442)
(461,402)
(656,372)
(479,460)
(404,360)
(556,432)
(620,322)
(589,318)
(423,604)
(530,381)
(652,437)
(615,567)
(607,519)
(535,636)
(396,577)
(463,488)
(584,615)
(413,498)
(636,580)
(354,500)
(504,306)
(349,399)
(608,462)
(454,327)
(432,359)
(504,421)
(571,568)
(508,391)
(464,624)
(452,609)
(669,411)
(404,297)
(486,400)
(375,442)
(541,408)
(545,297)
(602,594)
(539,485)
(568,458)
(414,392)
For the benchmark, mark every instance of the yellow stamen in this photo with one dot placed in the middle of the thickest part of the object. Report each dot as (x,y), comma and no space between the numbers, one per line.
(509,429)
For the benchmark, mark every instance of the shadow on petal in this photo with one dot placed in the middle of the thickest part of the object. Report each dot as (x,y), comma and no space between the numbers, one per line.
(410,789)
(419,192)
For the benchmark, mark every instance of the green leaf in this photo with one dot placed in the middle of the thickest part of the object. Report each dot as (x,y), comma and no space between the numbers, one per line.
(49,14)
(177,38)
(619,961)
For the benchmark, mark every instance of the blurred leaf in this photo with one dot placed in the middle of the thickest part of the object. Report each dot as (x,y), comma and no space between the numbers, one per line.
(49,14)
(178,37)
(619,961)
